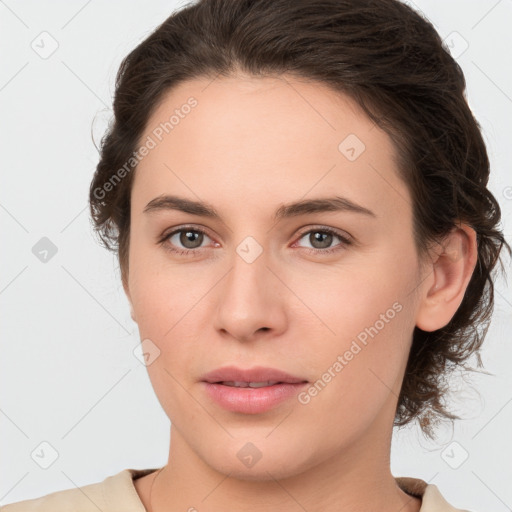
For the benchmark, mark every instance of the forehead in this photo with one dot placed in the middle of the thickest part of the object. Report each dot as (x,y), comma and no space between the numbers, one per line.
(279,138)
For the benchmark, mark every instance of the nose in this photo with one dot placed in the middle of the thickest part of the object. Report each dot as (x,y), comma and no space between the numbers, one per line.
(251,299)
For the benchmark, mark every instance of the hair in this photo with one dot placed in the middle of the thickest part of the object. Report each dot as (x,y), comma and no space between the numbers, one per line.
(391,61)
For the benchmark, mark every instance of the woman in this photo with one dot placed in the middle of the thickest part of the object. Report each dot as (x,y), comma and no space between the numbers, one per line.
(296,192)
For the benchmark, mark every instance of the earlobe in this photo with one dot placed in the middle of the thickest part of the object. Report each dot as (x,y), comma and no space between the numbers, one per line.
(132,313)
(127,292)
(451,269)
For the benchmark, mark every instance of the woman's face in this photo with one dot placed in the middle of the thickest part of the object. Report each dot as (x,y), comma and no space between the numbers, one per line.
(263,285)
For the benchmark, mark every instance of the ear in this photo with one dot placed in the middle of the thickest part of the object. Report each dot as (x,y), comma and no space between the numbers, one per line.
(127,292)
(449,274)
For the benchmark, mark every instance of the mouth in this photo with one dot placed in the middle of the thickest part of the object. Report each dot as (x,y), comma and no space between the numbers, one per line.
(255,377)
(243,384)
(251,391)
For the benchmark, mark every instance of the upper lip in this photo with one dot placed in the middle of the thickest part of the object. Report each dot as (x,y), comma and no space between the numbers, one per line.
(255,374)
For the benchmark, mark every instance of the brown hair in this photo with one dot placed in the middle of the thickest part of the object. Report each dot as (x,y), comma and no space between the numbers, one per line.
(392,62)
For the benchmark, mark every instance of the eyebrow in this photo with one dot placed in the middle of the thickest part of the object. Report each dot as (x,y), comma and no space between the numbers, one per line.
(308,206)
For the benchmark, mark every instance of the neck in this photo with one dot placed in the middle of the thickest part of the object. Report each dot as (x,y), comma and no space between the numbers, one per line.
(356,479)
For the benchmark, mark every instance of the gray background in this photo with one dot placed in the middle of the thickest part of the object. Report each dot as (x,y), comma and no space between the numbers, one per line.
(69,376)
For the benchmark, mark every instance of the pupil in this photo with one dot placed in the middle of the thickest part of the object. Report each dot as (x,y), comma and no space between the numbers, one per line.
(322,238)
(189,237)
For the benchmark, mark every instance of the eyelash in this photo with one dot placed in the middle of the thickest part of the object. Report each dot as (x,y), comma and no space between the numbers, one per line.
(185,252)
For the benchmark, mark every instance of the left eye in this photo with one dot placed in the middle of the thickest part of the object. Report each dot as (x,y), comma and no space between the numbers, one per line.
(321,239)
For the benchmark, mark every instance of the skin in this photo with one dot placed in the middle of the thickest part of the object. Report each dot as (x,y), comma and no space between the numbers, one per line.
(248,147)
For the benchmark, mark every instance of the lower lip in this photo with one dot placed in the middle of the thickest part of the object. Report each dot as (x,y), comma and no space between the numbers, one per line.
(252,400)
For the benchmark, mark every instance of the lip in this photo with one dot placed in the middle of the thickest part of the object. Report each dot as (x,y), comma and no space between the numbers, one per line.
(251,400)
(255,374)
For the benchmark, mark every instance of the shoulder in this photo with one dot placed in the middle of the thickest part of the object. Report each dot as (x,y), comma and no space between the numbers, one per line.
(115,493)
(431,498)
(70,499)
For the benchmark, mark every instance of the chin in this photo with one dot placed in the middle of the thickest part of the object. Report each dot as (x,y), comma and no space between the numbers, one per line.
(262,473)
(271,463)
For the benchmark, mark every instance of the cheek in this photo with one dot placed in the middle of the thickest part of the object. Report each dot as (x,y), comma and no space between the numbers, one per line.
(168,311)
(357,377)
(366,320)
(170,304)
(161,293)
(340,303)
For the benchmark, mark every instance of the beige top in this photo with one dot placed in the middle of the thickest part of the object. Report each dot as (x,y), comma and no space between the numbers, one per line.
(117,493)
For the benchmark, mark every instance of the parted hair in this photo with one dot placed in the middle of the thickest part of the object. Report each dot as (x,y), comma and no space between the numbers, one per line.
(389,59)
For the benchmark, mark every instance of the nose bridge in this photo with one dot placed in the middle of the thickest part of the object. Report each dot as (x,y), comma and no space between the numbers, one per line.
(247,299)
(249,273)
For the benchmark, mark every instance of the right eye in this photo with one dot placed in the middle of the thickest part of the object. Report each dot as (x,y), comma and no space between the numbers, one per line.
(184,241)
